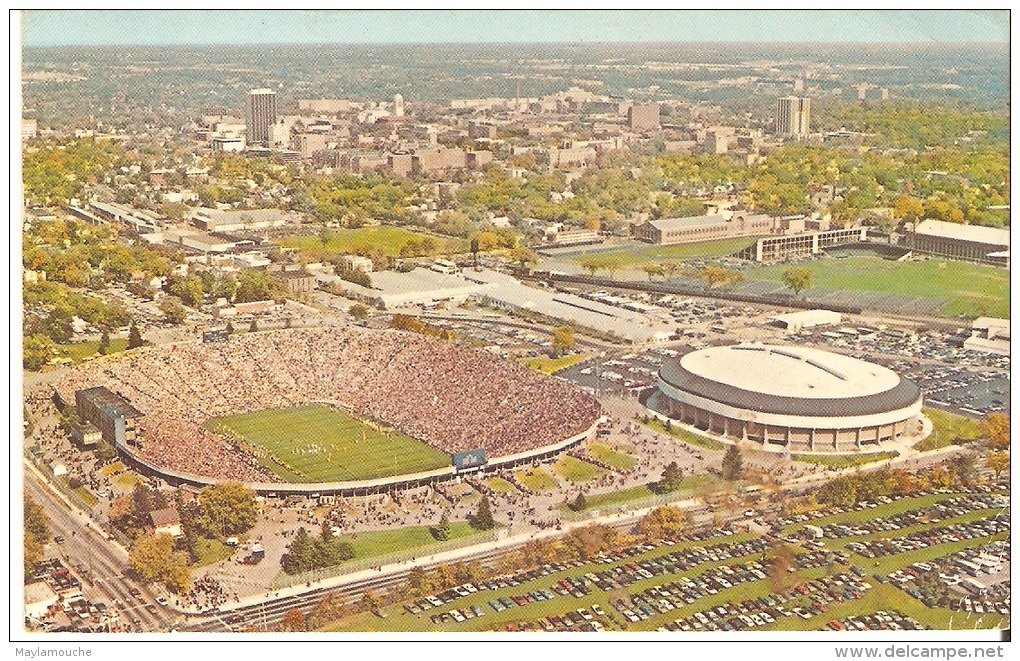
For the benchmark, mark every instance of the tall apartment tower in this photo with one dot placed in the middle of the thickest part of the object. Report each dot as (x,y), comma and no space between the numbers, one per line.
(398,105)
(793,115)
(261,115)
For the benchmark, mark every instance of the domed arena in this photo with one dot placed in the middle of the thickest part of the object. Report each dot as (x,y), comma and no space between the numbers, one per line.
(190,408)
(800,399)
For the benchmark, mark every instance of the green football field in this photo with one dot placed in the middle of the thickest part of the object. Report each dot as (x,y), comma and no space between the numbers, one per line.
(316,443)
(968,289)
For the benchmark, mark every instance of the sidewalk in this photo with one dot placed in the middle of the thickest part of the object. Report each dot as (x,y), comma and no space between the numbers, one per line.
(448,556)
(86,519)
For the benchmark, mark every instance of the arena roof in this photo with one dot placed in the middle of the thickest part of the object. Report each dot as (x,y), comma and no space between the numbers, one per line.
(790,380)
(992,236)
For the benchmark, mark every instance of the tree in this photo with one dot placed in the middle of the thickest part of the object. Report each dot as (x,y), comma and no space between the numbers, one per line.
(190,289)
(327,609)
(908,208)
(997,461)
(732,463)
(253,327)
(325,236)
(962,468)
(358,311)
(652,270)
(669,269)
(524,257)
(173,310)
(580,503)
(781,559)
(717,275)
(36,351)
(798,279)
(592,263)
(995,428)
(671,478)
(134,337)
(563,340)
(255,285)
(293,620)
(154,559)
(226,509)
(369,601)
(665,521)
(104,343)
(230,327)
(442,531)
(482,519)
(475,247)
(418,582)
(36,528)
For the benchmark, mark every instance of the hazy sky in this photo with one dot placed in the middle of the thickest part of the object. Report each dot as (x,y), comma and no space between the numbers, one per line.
(91,27)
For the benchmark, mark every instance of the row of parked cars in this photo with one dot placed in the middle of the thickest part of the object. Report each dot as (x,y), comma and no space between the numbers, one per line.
(834,510)
(922,539)
(956,575)
(510,580)
(946,509)
(686,590)
(806,601)
(879,621)
(581,619)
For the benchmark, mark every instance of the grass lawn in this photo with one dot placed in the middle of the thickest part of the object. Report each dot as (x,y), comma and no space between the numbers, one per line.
(85,350)
(637,494)
(634,257)
(211,551)
(499,485)
(686,436)
(884,511)
(86,496)
(843,461)
(553,365)
(575,470)
(385,542)
(127,479)
(608,455)
(971,290)
(112,469)
(537,479)
(317,443)
(633,494)
(946,427)
(387,238)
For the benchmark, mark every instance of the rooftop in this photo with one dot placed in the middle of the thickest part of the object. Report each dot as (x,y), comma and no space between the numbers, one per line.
(165,517)
(989,235)
(665,224)
(788,371)
(110,403)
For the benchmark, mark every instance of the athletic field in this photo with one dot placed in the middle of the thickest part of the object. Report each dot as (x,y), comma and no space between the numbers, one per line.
(316,443)
(965,289)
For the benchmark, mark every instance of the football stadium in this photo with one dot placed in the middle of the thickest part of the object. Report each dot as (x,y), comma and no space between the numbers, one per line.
(341,411)
(793,398)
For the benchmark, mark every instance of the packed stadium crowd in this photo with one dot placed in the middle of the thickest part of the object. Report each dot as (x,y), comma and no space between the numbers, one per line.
(448,396)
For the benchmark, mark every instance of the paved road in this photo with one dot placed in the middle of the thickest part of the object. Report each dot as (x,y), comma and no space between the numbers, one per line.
(101,565)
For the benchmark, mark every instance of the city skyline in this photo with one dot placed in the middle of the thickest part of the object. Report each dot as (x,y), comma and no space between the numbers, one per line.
(229,27)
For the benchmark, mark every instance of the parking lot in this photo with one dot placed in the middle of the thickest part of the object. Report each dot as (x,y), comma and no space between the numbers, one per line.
(723,579)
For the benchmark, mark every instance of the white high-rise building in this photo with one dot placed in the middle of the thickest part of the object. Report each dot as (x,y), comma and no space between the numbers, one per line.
(793,115)
(398,105)
(261,115)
